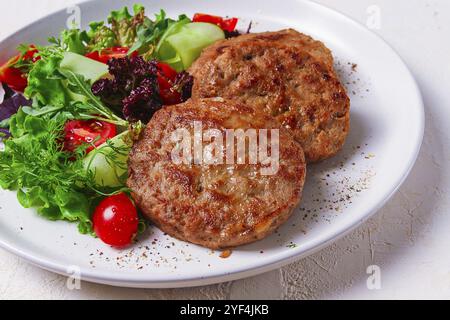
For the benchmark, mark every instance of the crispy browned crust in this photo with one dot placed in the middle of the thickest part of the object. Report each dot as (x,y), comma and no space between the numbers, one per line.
(288,75)
(216,206)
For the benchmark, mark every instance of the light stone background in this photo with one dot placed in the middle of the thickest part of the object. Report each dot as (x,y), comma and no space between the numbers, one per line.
(409,238)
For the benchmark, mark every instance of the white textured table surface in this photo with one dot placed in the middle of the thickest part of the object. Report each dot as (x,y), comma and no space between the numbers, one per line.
(408,239)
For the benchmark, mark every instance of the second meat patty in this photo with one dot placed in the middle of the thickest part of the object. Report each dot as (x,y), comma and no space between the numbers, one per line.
(286,74)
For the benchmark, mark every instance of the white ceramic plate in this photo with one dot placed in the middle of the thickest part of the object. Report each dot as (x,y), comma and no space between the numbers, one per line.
(387,122)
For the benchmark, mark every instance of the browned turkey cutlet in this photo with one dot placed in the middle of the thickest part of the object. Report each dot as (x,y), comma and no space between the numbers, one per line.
(286,75)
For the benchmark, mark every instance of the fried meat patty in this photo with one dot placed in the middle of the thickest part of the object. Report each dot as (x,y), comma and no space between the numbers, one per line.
(286,74)
(216,205)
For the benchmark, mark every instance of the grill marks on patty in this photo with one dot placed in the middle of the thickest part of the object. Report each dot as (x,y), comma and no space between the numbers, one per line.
(268,80)
(217,206)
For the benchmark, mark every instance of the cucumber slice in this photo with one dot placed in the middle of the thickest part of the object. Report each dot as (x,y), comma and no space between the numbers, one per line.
(108,165)
(90,69)
(173,29)
(188,43)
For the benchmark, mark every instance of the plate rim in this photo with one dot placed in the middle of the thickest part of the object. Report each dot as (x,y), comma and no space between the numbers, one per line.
(277,261)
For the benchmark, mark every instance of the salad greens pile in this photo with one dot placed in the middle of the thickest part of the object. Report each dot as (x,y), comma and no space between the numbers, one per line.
(45,176)
(122,32)
(151,34)
(34,162)
(175,41)
(56,88)
(57,83)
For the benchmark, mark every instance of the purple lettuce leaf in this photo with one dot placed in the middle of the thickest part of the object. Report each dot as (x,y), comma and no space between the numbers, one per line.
(133,90)
(5,92)
(11,103)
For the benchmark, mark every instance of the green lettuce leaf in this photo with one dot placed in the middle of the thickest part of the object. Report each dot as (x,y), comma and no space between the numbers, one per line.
(56,90)
(101,37)
(44,82)
(46,177)
(125,26)
(74,40)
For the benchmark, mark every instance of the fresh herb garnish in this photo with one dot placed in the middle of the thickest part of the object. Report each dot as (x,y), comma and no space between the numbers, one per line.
(46,177)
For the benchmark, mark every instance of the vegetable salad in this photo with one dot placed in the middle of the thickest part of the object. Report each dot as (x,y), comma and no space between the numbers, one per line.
(70,110)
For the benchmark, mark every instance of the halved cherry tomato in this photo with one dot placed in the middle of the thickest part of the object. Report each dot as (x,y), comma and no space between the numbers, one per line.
(225,24)
(106,54)
(93,132)
(166,79)
(14,77)
(115,220)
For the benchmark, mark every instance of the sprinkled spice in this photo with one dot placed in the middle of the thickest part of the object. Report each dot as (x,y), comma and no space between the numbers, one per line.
(332,186)
(348,74)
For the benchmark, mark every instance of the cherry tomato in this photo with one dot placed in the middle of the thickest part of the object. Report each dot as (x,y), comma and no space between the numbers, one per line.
(106,54)
(224,24)
(166,79)
(94,132)
(167,71)
(116,221)
(14,77)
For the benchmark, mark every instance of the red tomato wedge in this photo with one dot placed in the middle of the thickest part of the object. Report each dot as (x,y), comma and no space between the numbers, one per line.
(166,79)
(106,54)
(225,24)
(93,132)
(115,220)
(14,77)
